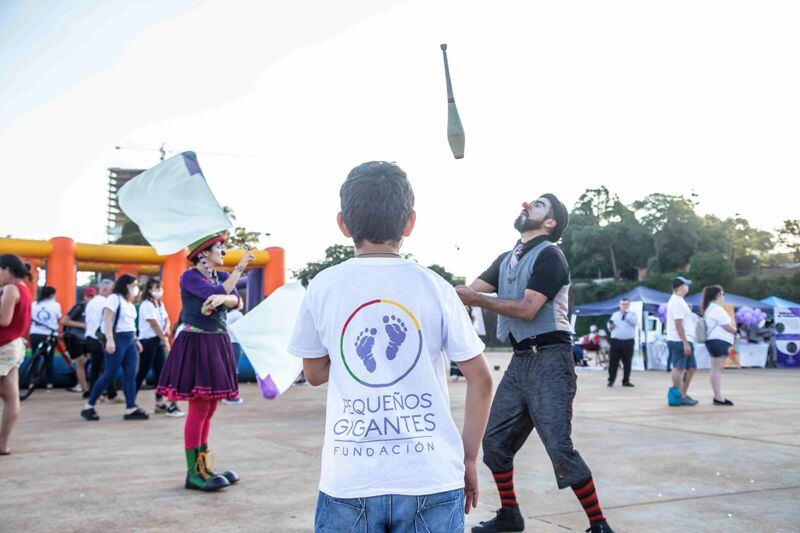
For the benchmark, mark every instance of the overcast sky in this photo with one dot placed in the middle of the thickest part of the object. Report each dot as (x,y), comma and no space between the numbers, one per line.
(281,99)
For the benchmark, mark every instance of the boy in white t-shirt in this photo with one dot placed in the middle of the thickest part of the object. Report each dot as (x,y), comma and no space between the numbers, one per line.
(378,328)
(680,342)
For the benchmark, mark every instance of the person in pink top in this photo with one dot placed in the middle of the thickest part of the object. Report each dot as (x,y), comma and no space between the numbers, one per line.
(15,319)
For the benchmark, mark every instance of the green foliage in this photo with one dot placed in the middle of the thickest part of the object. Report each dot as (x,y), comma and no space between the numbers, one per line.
(789,237)
(338,253)
(131,234)
(448,276)
(711,268)
(240,237)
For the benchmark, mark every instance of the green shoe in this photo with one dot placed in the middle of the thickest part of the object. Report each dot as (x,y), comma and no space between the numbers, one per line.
(197,477)
(229,475)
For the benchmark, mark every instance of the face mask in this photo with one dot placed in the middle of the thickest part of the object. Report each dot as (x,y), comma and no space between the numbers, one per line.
(133,291)
(158,293)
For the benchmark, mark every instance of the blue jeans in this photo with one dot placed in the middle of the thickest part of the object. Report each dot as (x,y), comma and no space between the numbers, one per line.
(126,356)
(442,512)
(676,355)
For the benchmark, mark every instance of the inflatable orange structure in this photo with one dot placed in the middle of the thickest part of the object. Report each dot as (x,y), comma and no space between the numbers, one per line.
(63,258)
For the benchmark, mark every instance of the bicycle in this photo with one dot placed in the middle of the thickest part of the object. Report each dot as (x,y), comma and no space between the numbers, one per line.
(33,369)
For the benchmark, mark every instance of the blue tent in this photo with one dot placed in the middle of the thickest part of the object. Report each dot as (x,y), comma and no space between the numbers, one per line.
(774,301)
(738,301)
(650,297)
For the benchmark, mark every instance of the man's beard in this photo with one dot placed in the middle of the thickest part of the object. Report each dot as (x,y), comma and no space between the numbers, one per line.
(523,224)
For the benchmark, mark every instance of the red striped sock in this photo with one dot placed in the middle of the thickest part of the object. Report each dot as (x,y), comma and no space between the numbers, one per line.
(505,486)
(588,497)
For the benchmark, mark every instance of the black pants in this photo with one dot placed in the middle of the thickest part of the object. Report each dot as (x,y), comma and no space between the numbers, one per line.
(152,357)
(97,358)
(536,392)
(620,351)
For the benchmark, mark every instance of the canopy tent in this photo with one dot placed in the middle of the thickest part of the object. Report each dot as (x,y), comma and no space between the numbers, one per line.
(775,301)
(650,299)
(738,301)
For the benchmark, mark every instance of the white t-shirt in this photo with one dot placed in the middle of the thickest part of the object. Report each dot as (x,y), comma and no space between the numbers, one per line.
(387,325)
(678,309)
(46,313)
(127,316)
(233,316)
(716,317)
(94,315)
(148,311)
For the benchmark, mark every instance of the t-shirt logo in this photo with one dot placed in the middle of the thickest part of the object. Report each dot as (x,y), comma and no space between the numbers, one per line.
(43,316)
(379,345)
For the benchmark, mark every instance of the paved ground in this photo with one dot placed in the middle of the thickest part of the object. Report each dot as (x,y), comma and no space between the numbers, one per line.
(694,469)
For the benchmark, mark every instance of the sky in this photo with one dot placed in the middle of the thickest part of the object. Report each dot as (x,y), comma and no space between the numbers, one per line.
(281,99)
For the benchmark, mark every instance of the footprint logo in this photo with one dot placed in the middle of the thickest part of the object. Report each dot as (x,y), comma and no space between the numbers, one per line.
(396,330)
(364,344)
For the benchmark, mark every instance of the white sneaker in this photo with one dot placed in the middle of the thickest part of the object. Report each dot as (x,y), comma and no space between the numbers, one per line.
(49,386)
(76,388)
(174,412)
(237,401)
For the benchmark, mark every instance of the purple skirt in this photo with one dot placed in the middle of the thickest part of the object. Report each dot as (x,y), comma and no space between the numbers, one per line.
(199,365)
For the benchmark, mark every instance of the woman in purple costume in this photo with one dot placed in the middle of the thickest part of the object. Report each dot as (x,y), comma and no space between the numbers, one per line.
(201,368)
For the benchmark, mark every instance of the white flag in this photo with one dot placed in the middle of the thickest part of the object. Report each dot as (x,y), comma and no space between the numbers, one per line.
(172,204)
(264,333)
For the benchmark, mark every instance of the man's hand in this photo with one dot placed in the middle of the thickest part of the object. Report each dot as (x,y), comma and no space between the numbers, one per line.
(165,344)
(468,295)
(470,486)
(110,346)
(687,348)
(139,347)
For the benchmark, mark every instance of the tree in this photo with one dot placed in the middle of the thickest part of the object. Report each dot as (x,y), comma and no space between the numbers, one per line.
(789,237)
(674,226)
(338,253)
(711,268)
(241,237)
(448,276)
(131,234)
(604,237)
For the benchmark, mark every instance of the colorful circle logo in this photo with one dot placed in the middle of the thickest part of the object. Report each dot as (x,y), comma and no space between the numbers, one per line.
(379,345)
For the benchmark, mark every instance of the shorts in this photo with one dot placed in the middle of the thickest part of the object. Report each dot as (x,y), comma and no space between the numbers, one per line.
(75,346)
(679,360)
(11,356)
(718,347)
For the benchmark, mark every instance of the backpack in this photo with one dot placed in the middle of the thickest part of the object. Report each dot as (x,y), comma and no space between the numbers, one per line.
(701,330)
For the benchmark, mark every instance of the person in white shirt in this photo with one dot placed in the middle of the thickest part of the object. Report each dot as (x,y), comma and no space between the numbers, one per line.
(45,319)
(94,317)
(623,330)
(379,329)
(122,348)
(154,331)
(680,338)
(720,335)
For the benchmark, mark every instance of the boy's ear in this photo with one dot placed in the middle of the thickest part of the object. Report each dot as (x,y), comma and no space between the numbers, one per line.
(342,227)
(412,219)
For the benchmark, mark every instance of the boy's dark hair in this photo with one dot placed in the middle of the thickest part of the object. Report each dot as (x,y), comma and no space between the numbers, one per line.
(376,202)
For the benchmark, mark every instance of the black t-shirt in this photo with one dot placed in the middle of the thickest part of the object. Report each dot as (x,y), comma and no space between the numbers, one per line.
(550,274)
(78,314)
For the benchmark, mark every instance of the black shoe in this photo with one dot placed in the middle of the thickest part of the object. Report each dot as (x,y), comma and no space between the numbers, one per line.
(726,402)
(507,519)
(90,414)
(610,383)
(600,527)
(138,414)
(627,384)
